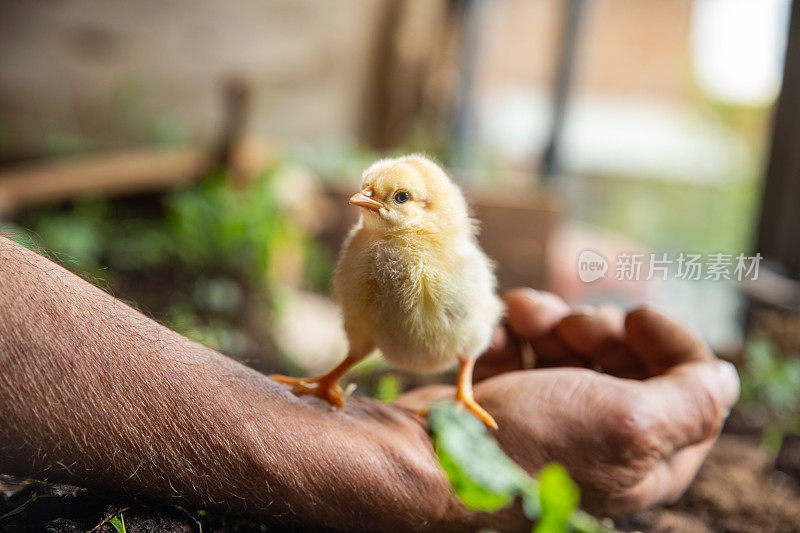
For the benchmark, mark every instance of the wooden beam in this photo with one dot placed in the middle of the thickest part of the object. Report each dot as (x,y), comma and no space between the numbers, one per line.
(109,174)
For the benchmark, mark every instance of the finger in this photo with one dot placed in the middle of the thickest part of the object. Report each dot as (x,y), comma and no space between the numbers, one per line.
(532,317)
(531,314)
(665,483)
(662,343)
(690,403)
(549,351)
(590,329)
(599,335)
(503,355)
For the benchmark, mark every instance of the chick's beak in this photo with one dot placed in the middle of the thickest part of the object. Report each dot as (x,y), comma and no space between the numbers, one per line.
(362,200)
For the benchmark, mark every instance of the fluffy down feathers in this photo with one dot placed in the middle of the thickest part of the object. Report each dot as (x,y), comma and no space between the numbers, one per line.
(411,278)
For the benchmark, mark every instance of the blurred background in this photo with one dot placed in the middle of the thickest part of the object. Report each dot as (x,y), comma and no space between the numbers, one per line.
(194,158)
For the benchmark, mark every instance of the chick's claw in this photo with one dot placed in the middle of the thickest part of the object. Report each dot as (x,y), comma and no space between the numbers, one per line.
(464,394)
(474,408)
(327,389)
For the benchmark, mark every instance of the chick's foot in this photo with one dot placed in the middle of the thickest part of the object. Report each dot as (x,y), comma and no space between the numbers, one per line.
(324,388)
(474,408)
(464,392)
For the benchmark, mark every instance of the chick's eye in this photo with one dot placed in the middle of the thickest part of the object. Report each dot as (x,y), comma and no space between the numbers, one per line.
(402,197)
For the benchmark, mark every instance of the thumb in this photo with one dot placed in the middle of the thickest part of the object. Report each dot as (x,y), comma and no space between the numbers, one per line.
(693,400)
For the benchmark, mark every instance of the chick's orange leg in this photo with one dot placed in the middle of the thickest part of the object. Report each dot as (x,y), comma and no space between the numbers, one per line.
(325,386)
(464,392)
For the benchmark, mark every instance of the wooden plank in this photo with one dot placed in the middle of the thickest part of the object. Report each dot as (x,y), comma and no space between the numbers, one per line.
(109,174)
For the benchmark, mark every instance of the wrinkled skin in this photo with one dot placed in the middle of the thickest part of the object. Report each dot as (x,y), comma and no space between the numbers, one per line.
(631,436)
(94,393)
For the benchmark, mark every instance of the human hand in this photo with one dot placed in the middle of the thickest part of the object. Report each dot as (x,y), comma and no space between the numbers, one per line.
(632,426)
(204,430)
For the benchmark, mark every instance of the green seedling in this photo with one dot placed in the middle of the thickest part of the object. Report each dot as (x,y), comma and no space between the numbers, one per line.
(21,508)
(486,479)
(118,522)
(771,390)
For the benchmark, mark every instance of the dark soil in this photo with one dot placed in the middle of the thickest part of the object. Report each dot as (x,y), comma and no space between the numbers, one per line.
(64,509)
(737,490)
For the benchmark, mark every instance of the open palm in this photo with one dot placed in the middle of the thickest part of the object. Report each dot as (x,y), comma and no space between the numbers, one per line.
(629,403)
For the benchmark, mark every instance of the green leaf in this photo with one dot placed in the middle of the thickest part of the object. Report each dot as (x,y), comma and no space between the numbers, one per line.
(558,496)
(531,505)
(486,479)
(483,477)
(119,523)
(17,510)
(771,389)
(473,494)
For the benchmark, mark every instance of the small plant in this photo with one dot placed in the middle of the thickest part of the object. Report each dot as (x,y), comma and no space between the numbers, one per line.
(245,229)
(118,522)
(209,256)
(771,390)
(486,479)
(21,508)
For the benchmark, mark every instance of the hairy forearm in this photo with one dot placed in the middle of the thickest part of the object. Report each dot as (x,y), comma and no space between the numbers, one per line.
(92,392)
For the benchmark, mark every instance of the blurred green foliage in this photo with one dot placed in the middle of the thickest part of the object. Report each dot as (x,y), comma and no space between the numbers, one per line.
(770,390)
(486,479)
(558,497)
(234,229)
(670,215)
(203,258)
(388,388)
(674,213)
(749,122)
(80,235)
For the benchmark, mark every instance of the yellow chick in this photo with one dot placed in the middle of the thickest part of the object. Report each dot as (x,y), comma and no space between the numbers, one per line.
(412,280)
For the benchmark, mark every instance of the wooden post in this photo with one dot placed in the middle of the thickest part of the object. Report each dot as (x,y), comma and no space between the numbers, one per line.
(779,227)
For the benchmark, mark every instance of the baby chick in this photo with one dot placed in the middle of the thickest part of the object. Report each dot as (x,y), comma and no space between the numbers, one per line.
(412,279)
